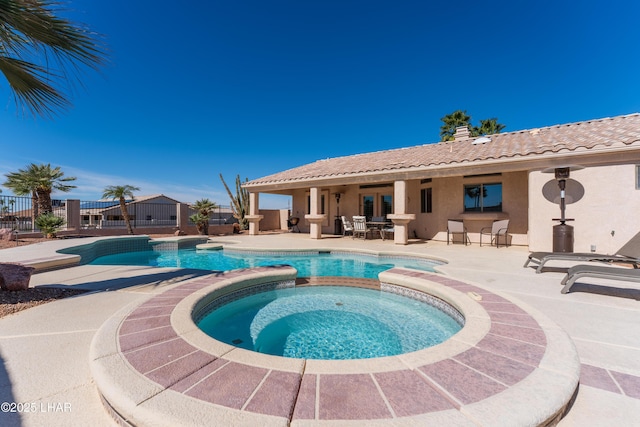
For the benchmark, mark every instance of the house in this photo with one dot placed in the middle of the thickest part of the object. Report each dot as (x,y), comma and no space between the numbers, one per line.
(479,180)
(153,210)
(144,211)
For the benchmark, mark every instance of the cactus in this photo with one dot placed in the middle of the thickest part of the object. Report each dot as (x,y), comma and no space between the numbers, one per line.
(239,202)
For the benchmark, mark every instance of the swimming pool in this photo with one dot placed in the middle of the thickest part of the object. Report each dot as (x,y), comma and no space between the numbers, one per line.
(308,263)
(329,322)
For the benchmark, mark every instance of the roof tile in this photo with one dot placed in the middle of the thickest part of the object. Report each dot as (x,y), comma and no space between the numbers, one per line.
(585,135)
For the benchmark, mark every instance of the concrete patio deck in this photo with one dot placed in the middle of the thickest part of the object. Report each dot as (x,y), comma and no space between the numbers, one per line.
(44,351)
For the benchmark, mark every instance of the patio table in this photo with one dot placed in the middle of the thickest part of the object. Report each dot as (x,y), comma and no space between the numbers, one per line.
(378,225)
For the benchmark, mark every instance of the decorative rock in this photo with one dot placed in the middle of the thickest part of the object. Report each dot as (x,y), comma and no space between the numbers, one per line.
(179,233)
(15,277)
(7,234)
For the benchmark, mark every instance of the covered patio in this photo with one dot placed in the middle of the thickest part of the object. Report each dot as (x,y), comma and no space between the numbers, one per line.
(474,180)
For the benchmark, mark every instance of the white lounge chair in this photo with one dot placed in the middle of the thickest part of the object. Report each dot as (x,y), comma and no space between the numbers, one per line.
(629,253)
(347,227)
(360,227)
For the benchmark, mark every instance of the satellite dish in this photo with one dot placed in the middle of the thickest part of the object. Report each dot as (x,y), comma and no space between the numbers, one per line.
(574,191)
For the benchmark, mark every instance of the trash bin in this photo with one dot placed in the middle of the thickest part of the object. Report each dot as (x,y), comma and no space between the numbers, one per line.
(562,238)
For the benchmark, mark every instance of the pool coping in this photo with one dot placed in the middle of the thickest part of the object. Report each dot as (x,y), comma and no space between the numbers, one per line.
(142,394)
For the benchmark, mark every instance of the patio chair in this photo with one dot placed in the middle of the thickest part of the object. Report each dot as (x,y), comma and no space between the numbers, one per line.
(360,227)
(598,271)
(497,229)
(457,227)
(629,253)
(347,227)
(386,230)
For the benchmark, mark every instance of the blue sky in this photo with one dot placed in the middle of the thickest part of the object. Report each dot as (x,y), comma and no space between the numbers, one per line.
(252,88)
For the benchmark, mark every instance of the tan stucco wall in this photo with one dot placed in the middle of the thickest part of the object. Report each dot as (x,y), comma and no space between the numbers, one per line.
(610,204)
(272,219)
(447,204)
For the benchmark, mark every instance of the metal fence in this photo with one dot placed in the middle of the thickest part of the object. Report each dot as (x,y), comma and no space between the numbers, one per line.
(17,213)
(109,215)
(145,214)
(221,215)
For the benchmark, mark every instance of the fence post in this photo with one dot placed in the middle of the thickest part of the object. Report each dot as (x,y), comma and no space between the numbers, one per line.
(73,214)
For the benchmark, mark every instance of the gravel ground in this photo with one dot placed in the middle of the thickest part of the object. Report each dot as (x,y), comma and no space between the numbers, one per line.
(15,301)
(5,244)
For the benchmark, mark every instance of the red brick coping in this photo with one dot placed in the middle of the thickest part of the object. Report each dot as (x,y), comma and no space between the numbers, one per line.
(509,372)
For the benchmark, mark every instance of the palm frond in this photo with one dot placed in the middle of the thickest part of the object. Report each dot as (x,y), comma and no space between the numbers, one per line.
(38,50)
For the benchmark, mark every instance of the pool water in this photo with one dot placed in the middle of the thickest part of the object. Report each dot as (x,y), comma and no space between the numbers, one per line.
(322,264)
(329,322)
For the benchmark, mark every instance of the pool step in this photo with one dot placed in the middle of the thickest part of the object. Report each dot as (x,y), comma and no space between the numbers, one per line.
(338,281)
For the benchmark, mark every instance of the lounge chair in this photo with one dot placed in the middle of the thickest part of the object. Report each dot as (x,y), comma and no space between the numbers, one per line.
(497,229)
(598,271)
(347,227)
(360,227)
(457,227)
(629,253)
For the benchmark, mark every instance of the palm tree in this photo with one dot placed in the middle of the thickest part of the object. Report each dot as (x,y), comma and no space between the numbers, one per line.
(460,118)
(488,127)
(39,181)
(452,121)
(30,29)
(121,192)
(203,208)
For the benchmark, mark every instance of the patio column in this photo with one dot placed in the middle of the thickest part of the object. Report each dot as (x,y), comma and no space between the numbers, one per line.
(400,217)
(315,218)
(254,217)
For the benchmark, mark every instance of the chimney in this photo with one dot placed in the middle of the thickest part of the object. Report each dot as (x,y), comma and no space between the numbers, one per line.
(462,132)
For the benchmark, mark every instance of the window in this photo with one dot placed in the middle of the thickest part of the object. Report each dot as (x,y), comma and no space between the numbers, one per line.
(483,198)
(322,204)
(119,217)
(386,203)
(367,206)
(426,200)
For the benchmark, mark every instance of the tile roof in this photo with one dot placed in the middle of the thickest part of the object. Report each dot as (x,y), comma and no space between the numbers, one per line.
(573,137)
